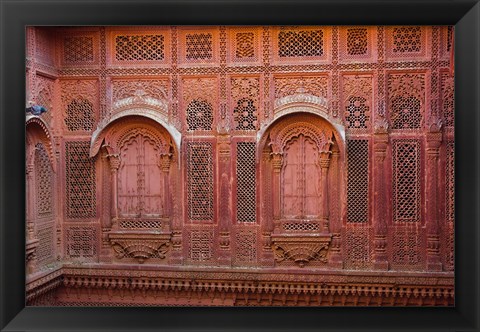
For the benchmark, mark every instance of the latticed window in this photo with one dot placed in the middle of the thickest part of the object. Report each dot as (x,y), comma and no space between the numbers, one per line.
(246,182)
(245,46)
(201,245)
(199,46)
(200,181)
(44,182)
(357,113)
(303,43)
(450,182)
(406,180)
(245,115)
(80,115)
(46,247)
(407,39)
(80,181)
(358,181)
(139,47)
(357,41)
(199,115)
(406,112)
(78,49)
(81,241)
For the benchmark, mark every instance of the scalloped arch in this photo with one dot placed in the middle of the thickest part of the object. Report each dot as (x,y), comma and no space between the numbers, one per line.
(37,131)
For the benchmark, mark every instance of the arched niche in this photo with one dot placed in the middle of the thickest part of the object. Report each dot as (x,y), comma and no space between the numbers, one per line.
(140,154)
(37,131)
(146,113)
(301,158)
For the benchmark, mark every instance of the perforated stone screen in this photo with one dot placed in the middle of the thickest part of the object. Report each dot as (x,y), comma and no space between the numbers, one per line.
(149,47)
(358,181)
(406,180)
(246,182)
(80,180)
(200,181)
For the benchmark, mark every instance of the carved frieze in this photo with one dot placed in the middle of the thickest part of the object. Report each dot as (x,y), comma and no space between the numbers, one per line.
(140,246)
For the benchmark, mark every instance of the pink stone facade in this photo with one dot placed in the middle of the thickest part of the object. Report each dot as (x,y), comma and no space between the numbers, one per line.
(240,166)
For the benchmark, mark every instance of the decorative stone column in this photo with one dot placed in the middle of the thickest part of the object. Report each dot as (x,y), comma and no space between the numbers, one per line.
(165,161)
(380,257)
(277,161)
(336,225)
(267,258)
(225,206)
(31,241)
(324,163)
(114,160)
(434,139)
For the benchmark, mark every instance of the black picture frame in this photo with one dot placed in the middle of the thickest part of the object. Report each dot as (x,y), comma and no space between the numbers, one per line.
(16,15)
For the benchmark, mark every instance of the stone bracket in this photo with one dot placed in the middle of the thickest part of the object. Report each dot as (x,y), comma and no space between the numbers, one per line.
(301,248)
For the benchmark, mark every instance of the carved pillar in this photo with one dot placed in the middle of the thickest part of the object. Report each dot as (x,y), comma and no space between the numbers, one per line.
(225,206)
(266,210)
(335,222)
(277,161)
(434,139)
(324,210)
(165,161)
(114,160)
(380,257)
(31,243)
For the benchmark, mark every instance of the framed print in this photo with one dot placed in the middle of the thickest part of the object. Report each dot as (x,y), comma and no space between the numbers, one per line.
(240,166)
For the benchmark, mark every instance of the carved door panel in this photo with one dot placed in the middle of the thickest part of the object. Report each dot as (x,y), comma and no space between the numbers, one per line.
(140,180)
(300,179)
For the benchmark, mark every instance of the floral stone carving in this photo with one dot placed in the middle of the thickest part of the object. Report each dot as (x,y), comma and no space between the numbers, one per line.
(140,246)
(301,248)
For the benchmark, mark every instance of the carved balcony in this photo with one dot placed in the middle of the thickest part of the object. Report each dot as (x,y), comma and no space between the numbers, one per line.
(140,239)
(300,241)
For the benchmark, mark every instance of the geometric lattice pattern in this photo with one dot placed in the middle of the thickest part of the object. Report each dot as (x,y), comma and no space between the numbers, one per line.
(450,183)
(357,248)
(80,116)
(245,115)
(199,115)
(81,241)
(406,112)
(80,180)
(45,250)
(358,181)
(357,41)
(139,47)
(407,39)
(406,180)
(44,182)
(406,100)
(448,99)
(448,247)
(199,46)
(407,244)
(245,46)
(78,49)
(246,182)
(303,43)
(200,245)
(200,181)
(357,113)
(245,247)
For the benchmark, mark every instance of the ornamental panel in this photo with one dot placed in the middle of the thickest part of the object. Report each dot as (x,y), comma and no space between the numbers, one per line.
(406,96)
(357,43)
(81,242)
(80,181)
(80,105)
(245,172)
(450,183)
(245,102)
(44,182)
(448,99)
(198,46)
(358,248)
(200,184)
(406,180)
(357,102)
(245,247)
(80,48)
(358,181)
(244,45)
(407,42)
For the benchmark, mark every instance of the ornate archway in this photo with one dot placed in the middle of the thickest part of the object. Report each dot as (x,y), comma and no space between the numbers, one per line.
(302,156)
(140,154)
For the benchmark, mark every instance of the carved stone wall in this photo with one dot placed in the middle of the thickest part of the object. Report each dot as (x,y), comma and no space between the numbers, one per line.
(288,150)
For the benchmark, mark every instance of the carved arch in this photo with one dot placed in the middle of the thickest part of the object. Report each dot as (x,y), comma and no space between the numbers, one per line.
(37,131)
(143,116)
